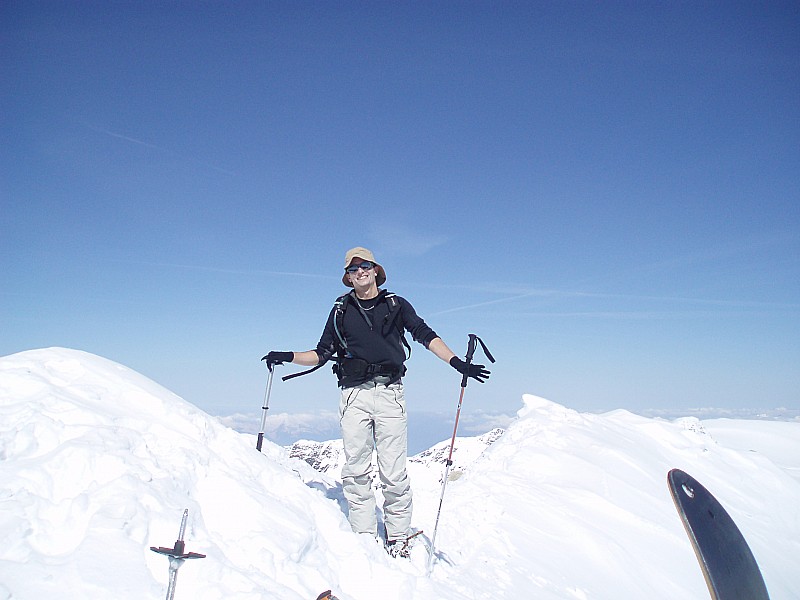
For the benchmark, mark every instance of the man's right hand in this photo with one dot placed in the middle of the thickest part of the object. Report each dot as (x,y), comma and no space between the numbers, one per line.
(278,358)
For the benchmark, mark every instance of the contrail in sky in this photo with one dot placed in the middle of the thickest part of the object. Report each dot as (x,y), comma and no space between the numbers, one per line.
(133,140)
(732,304)
(123,137)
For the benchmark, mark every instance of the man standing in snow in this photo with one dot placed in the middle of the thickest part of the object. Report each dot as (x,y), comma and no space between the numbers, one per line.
(368,341)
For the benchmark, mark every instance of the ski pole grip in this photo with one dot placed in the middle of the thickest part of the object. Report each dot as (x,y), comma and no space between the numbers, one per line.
(471,345)
(473,339)
(270,366)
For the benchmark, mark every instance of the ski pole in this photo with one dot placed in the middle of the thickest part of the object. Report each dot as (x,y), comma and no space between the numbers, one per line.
(471,346)
(265,407)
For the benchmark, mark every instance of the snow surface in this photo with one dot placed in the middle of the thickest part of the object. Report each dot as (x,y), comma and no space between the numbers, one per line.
(97,464)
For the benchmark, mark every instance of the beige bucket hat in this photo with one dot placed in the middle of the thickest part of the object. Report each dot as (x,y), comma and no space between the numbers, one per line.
(363,254)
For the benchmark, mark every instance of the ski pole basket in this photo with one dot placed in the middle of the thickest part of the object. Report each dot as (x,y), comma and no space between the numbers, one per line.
(176,555)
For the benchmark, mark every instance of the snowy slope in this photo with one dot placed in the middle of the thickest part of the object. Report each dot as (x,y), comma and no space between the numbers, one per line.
(97,464)
(586,514)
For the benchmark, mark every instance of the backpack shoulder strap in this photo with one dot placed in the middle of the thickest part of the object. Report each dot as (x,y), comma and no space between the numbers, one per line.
(338,320)
(395,318)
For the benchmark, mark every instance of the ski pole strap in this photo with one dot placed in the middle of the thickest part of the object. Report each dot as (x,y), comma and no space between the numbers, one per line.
(271,366)
(306,372)
(472,345)
(324,358)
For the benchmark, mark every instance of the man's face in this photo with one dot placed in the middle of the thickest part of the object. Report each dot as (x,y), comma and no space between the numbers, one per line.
(364,274)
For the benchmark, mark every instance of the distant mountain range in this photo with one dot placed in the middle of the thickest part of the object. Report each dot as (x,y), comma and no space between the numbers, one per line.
(328,457)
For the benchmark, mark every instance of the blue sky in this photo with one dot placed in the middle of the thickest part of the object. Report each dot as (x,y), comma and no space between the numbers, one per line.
(607,193)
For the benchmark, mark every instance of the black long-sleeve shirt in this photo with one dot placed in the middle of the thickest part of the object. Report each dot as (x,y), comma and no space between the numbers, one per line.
(378,341)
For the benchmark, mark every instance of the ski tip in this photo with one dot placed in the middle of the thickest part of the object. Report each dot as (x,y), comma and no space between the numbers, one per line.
(729,566)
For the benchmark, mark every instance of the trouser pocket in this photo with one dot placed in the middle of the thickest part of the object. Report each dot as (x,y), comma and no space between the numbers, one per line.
(346,399)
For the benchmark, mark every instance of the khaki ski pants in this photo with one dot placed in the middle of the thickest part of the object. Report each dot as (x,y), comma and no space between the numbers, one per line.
(373,415)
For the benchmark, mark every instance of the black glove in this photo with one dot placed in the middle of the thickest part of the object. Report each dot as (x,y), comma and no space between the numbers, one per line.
(477,372)
(278,358)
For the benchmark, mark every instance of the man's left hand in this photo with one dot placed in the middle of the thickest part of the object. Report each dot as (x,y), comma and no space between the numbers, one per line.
(477,372)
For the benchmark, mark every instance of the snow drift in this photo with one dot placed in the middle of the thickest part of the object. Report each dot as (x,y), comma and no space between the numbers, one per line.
(97,464)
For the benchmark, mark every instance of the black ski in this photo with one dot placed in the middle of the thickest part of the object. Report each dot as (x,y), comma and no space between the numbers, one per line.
(728,565)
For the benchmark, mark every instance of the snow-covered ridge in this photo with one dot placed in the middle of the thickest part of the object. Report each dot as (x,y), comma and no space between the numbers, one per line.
(97,464)
(325,457)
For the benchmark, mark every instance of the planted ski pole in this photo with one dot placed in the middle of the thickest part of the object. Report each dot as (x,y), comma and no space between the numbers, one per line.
(265,407)
(177,555)
(471,346)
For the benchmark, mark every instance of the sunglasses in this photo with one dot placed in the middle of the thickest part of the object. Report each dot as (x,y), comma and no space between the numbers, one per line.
(366,265)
